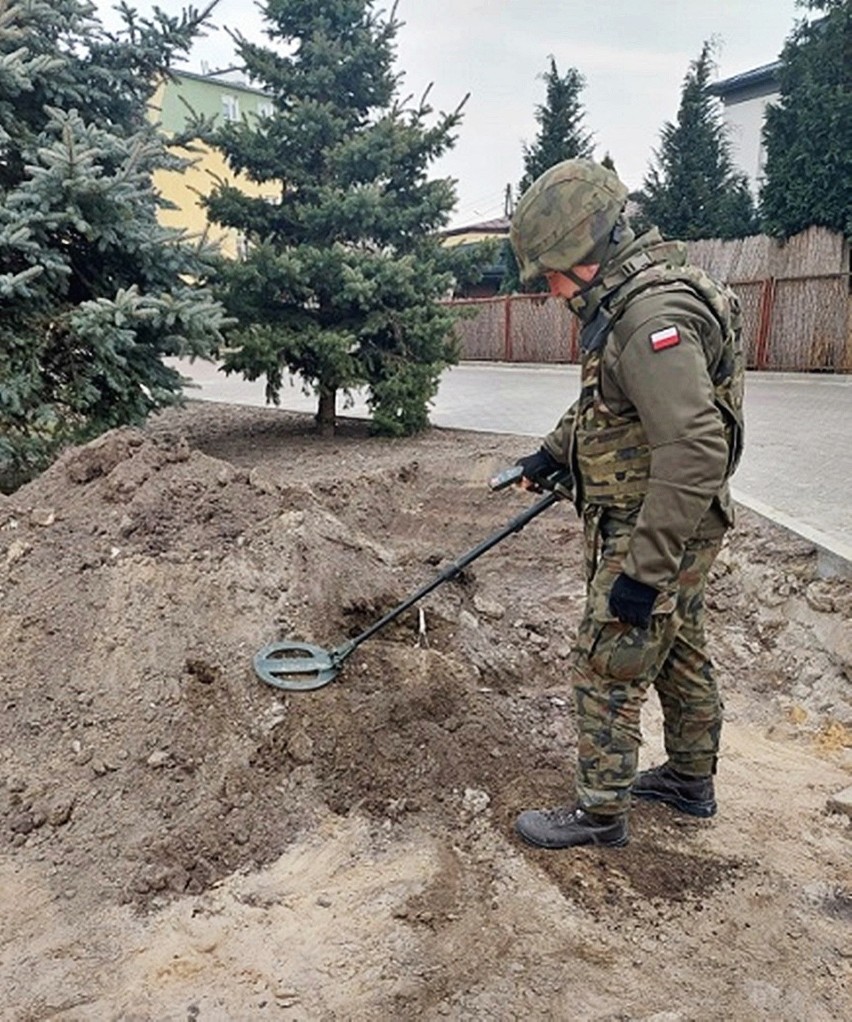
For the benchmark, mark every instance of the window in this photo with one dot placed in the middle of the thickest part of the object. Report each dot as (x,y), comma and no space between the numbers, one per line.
(265,108)
(231,108)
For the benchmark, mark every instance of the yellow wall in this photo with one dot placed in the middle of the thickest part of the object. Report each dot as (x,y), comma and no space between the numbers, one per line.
(472,237)
(185,189)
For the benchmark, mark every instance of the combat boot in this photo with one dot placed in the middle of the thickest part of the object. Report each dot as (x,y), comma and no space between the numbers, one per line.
(565,828)
(693,795)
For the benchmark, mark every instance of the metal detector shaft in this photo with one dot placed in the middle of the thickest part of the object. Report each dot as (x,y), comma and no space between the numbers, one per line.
(449,572)
(301,666)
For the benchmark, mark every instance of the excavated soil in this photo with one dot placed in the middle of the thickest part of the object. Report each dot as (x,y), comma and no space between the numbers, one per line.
(179,840)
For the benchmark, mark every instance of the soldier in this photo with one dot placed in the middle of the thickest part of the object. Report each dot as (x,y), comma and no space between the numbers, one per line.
(650,443)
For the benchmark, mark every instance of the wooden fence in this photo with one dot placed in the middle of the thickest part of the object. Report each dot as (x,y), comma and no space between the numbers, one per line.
(797,314)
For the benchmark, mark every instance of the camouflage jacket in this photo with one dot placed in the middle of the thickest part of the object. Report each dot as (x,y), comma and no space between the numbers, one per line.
(657,429)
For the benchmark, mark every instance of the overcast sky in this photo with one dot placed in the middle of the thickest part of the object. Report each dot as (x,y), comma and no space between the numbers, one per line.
(633,54)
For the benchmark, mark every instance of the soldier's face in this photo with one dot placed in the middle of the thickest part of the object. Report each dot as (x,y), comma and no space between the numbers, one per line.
(560,285)
(564,287)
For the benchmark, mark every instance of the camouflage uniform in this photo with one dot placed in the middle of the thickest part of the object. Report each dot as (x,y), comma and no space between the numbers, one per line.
(652,441)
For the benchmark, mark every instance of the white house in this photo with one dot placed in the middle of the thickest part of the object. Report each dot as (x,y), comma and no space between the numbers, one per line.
(744,99)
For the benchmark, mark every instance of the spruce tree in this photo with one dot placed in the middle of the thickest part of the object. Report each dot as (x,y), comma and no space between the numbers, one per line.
(609,163)
(94,291)
(692,189)
(561,135)
(808,133)
(343,277)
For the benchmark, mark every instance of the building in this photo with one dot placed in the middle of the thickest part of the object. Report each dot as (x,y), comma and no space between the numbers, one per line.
(221,96)
(474,234)
(744,99)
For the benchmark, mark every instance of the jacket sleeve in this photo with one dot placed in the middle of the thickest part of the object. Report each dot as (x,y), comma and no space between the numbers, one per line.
(558,440)
(669,386)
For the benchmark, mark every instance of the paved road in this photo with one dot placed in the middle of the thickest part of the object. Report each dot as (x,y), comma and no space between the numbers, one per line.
(796,469)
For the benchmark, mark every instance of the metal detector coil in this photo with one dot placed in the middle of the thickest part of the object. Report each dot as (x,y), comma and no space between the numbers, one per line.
(296,666)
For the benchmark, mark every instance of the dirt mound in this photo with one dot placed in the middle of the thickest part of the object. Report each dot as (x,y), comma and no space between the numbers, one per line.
(145,764)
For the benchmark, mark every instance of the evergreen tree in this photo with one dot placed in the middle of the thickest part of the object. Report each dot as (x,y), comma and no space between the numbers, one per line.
(808,134)
(94,291)
(694,190)
(343,277)
(561,134)
(609,163)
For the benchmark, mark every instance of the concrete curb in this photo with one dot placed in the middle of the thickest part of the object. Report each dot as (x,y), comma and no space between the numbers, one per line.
(834,557)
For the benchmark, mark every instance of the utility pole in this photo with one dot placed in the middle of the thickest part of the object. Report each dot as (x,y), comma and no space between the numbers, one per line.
(508,203)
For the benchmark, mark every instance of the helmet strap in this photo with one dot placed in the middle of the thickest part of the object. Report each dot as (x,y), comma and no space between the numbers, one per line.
(583,283)
(600,254)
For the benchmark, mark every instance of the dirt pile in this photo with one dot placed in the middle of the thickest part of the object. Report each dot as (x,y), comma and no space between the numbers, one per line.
(150,780)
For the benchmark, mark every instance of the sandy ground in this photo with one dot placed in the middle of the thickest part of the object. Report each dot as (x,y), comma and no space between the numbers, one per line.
(179,840)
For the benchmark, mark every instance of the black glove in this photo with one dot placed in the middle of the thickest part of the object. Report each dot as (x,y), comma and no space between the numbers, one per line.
(631,601)
(539,467)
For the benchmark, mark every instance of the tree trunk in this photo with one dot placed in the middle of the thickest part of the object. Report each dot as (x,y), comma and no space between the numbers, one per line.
(326,412)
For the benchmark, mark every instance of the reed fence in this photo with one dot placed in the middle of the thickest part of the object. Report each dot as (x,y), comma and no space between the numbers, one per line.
(797,314)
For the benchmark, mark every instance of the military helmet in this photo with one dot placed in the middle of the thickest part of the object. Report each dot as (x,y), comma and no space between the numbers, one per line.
(564,216)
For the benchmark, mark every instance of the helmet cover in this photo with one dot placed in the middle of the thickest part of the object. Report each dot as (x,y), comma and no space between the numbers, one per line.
(564,215)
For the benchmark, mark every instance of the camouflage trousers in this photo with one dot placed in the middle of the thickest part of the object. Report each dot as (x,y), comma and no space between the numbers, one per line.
(615,664)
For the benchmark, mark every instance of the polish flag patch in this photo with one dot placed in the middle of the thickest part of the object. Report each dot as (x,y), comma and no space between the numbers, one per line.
(662,339)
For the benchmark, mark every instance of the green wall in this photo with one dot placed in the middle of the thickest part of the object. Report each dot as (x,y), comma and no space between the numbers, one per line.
(205,96)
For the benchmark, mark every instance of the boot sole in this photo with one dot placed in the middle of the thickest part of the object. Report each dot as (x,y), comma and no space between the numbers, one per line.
(704,810)
(617,843)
